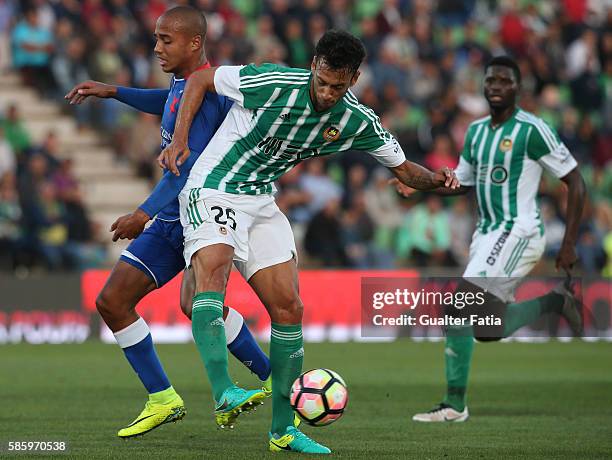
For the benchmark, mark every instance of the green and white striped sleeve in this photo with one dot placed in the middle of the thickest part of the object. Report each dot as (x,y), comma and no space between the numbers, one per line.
(251,86)
(545,147)
(378,142)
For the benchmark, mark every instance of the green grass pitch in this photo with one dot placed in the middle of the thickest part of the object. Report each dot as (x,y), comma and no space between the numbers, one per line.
(529,401)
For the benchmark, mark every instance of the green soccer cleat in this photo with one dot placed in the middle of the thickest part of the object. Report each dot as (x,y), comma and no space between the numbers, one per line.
(235,401)
(295,441)
(154,415)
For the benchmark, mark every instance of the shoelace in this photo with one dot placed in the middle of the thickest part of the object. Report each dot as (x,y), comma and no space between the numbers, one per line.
(438,408)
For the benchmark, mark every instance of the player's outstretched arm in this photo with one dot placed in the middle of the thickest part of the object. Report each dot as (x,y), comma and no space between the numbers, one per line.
(576,197)
(417,177)
(90,88)
(143,99)
(177,151)
(406,191)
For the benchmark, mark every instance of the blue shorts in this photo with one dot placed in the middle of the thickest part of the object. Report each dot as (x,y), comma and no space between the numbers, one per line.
(158,251)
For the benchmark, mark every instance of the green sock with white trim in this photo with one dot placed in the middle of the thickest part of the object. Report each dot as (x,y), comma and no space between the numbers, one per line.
(458,358)
(524,313)
(209,335)
(286,358)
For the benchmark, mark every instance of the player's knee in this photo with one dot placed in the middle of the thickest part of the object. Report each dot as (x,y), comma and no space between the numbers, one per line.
(112,304)
(105,304)
(287,308)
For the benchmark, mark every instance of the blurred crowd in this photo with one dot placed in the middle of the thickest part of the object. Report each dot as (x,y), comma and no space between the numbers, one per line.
(423,76)
(43,221)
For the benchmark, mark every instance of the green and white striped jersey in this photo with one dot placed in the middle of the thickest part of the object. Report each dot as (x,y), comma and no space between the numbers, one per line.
(504,164)
(273,126)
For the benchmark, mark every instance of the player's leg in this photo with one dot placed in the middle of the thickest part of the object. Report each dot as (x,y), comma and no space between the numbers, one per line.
(498,261)
(271,270)
(459,346)
(123,290)
(277,288)
(211,243)
(560,300)
(240,341)
(148,263)
(211,266)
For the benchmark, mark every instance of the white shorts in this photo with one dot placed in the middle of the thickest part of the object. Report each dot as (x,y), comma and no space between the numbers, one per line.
(499,259)
(252,224)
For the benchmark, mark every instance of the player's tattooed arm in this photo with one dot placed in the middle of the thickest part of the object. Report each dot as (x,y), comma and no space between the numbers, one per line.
(177,151)
(452,189)
(576,198)
(406,191)
(417,177)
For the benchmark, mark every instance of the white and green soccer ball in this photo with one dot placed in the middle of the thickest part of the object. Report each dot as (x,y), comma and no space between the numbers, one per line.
(319,397)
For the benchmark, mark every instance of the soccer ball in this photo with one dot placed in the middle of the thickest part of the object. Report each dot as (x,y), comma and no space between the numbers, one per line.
(319,397)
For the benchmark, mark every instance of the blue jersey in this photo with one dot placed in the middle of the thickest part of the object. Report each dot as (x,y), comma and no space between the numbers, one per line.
(205,123)
(158,251)
(163,201)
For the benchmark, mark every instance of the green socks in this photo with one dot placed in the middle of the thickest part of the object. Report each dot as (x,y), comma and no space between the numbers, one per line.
(286,358)
(209,335)
(458,357)
(524,313)
(460,343)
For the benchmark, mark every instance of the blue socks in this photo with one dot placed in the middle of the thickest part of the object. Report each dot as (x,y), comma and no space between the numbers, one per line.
(137,344)
(246,350)
(243,346)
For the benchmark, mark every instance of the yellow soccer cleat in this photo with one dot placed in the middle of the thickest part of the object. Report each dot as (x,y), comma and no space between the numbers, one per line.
(267,386)
(154,415)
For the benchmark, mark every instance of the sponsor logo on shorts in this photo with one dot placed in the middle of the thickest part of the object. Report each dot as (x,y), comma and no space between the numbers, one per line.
(223,230)
(497,247)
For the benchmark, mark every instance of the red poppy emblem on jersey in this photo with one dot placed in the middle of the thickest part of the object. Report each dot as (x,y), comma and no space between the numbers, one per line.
(174,102)
(331,134)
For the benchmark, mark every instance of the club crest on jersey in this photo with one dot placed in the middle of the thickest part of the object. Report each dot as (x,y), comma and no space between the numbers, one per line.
(505,145)
(331,134)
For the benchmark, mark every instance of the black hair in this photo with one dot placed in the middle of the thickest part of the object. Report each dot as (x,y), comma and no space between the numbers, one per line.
(506,61)
(193,21)
(340,50)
